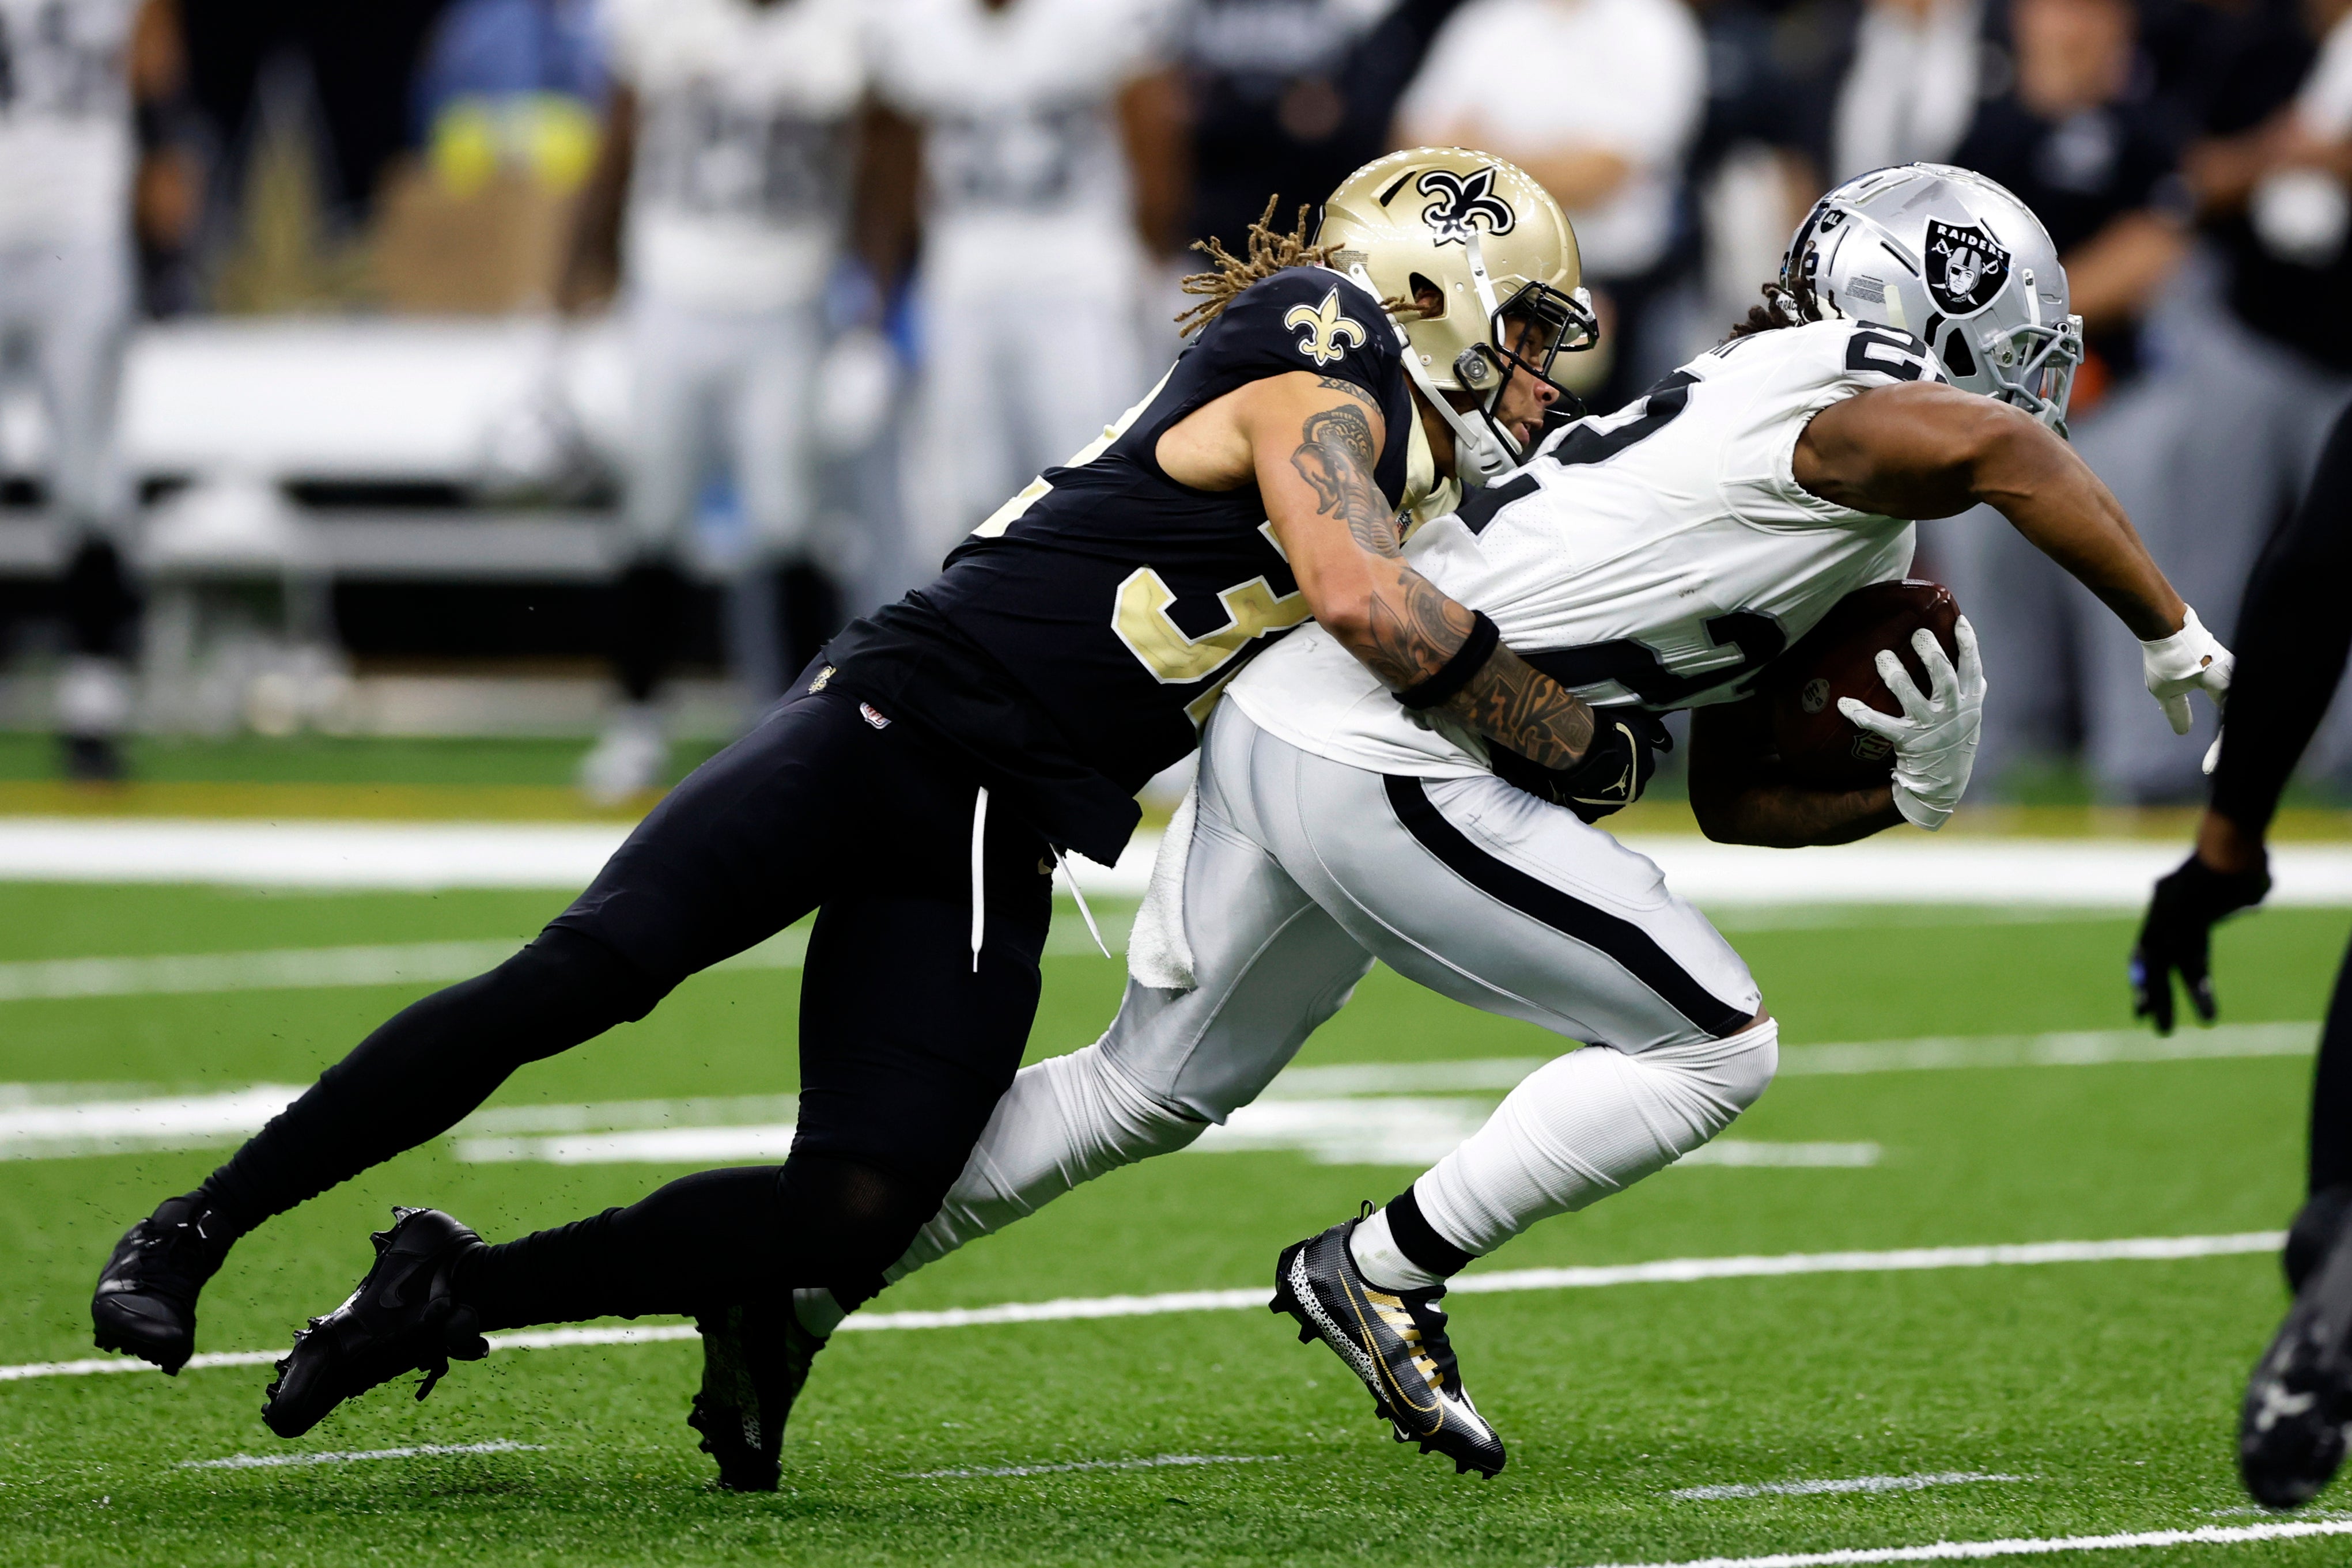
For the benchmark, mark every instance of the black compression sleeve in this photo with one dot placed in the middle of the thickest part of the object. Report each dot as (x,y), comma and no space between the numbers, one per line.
(2293,634)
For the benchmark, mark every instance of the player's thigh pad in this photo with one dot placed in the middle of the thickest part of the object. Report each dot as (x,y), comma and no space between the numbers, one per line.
(678,362)
(770,438)
(1486,894)
(1270,965)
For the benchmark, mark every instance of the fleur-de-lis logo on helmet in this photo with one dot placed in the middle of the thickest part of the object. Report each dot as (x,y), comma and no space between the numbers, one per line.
(1461,200)
(1329,335)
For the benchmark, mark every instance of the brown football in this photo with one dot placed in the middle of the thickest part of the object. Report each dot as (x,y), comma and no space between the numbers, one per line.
(1820,746)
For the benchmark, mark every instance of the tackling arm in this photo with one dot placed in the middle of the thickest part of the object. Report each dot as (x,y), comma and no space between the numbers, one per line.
(1313,443)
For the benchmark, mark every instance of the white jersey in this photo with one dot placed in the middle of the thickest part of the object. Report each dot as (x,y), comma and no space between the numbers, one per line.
(739,192)
(66,150)
(1022,149)
(1658,556)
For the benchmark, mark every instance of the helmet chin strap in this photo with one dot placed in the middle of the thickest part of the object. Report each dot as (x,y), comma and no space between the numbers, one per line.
(1480,455)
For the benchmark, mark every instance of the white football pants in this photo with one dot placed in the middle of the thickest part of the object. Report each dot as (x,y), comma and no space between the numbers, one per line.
(1302,871)
(714,386)
(1025,359)
(65,309)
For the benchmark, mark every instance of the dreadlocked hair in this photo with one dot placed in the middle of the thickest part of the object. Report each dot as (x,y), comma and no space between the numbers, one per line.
(1268,254)
(1781,308)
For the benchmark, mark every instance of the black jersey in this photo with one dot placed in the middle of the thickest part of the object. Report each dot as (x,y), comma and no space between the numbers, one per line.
(1076,640)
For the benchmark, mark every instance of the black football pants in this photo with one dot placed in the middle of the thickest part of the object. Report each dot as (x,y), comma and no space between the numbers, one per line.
(905,1046)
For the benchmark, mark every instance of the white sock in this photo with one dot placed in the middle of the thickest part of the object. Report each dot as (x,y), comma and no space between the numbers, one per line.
(1383,1263)
(817,1311)
(1066,1120)
(1589,1123)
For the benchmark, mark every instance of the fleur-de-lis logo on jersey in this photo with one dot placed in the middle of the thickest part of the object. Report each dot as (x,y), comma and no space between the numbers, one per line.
(1461,202)
(1329,335)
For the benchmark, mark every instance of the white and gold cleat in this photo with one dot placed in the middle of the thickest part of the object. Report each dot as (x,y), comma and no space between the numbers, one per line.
(1393,1341)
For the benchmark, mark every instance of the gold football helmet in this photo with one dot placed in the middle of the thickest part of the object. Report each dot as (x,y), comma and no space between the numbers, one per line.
(1496,248)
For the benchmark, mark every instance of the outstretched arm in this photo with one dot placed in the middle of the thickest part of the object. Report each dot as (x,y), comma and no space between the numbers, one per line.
(1926,450)
(1313,444)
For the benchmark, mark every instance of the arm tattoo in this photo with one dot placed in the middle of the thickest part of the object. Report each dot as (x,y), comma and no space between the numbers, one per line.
(1335,458)
(1525,709)
(1415,632)
(1333,383)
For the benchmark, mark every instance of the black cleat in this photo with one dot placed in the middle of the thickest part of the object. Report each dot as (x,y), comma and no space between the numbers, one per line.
(403,1318)
(146,1303)
(755,1360)
(1394,1341)
(2293,1428)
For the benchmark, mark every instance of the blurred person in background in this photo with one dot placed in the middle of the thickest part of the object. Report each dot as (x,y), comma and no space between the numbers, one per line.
(2079,138)
(719,201)
(1909,88)
(1608,144)
(2250,358)
(69,173)
(1285,97)
(1037,154)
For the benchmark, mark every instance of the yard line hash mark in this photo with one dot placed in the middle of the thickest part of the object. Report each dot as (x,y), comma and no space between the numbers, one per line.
(1849,1484)
(1158,1462)
(1976,1551)
(424,1450)
(1663,1271)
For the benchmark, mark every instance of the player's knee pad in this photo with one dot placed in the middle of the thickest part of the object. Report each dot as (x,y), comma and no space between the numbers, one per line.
(1735,1070)
(1112,1120)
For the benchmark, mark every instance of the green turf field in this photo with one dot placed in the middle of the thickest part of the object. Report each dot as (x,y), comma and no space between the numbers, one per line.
(2103,1391)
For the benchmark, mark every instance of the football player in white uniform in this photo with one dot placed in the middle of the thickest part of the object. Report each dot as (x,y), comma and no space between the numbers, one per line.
(67,156)
(1028,288)
(1657,557)
(722,195)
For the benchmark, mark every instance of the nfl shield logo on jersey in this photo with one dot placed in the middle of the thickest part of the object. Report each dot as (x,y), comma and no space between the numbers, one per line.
(1965,269)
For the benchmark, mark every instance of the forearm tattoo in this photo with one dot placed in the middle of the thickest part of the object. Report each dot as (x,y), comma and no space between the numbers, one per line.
(1335,458)
(1526,710)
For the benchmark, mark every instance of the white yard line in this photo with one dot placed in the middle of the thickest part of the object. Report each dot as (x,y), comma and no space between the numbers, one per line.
(1849,1484)
(1897,869)
(1067,1309)
(2029,1546)
(424,1450)
(1158,1462)
(1334,1114)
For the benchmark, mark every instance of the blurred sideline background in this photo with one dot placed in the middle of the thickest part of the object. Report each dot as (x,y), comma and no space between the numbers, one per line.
(480,408)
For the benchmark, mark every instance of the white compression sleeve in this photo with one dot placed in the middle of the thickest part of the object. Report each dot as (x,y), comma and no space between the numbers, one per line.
(1065,1121)
(1589,1123)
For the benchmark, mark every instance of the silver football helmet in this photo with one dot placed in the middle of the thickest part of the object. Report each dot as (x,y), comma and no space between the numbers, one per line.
(1952,258)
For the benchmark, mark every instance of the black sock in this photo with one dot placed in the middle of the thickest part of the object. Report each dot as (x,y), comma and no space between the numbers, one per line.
(648,618)
(2331,1090)
(716,1236)
(425,1069)
(1417,1239)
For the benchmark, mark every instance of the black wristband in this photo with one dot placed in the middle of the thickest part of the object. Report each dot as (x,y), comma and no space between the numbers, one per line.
(1467,661)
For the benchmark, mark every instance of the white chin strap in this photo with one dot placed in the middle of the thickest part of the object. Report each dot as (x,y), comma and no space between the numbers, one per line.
(1480,455)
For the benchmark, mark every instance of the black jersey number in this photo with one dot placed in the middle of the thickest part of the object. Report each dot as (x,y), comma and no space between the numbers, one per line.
(1637,667)
(1890,353)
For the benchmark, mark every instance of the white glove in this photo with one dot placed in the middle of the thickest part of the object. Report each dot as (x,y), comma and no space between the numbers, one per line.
(1936,739)
(2192,659)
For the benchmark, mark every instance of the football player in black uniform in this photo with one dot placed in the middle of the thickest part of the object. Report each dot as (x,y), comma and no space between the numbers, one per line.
(917,782)
(2292,638)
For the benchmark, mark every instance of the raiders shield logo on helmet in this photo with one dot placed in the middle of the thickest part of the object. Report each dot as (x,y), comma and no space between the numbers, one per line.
(1965,269)
(1460,200)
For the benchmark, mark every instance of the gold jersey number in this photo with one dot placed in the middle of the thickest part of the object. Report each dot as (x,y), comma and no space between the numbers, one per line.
(1139,615)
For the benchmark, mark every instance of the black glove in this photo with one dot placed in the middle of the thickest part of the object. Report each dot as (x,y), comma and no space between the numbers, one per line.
(2178,935)
(1609,777)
